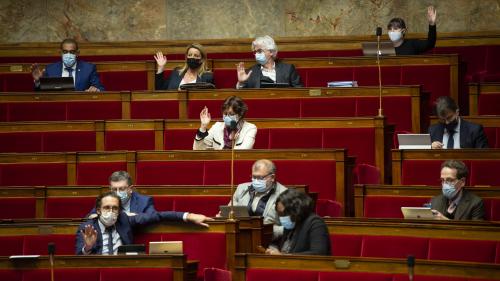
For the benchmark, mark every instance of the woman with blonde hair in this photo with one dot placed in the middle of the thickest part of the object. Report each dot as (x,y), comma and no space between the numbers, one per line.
(194,69)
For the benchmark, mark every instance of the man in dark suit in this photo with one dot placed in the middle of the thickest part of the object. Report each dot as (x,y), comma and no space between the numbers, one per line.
(455,202)
(112,227)
(120,182)
(452,132)
(305,232)
(84,74)
(268,68)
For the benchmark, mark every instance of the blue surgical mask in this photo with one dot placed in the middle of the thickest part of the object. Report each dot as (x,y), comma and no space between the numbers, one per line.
(287,222)
(69,59)
(260,58)
(449,191)
(260,185)
(230,118)
(395,36)
(124,197)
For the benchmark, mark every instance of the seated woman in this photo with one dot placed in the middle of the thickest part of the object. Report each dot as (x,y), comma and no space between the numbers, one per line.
(232,127)
(397,31)
(268,68)
(194,69)
(305,233)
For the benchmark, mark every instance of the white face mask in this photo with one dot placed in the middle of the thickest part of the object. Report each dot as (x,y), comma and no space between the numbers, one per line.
(395,35)
(108,218)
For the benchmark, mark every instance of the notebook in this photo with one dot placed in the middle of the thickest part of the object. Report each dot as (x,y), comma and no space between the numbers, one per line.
(165,247)
(386,48)
(417,213)
(239,211)
(414,141)
(56,83)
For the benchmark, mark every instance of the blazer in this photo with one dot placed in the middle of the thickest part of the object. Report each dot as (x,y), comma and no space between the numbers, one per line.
(124,226)
(241,197)
(85,74)
(215,139)
(174,79)
(310,238)
(138,204)
(470,207)
(471,135)
(285,73)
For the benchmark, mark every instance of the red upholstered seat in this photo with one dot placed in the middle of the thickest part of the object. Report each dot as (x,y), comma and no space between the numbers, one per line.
(17,82)
(488,104)
(368,75)
(226,78)
(94,110)
(37,244)
(280,108)
(169,172)
(97,173)
(425,172)
(497,255)
(354,276)
(434,78)
(163,203)
(390,206)
(419,277)
(202,246)
(216,274)
(37,111)
(280,275)
(145,238)
(491,136)
(495,209)
(295,138)
(68,207)
(214,107)
(21,142)
(394,246)
(130,140)
(346,245)
(328,208)
(17,208)
(134,274)
(68,141)
(360,142)
(366,174)
(462,250)
(155,109)
(329,107)
(179,139)
(262,139)
(484,172)
(11,245)
(11,275)
(39,174)
(206,205)
(124,80)
(3,112)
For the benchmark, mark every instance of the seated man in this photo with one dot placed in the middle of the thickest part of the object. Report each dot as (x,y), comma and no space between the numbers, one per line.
(453,132)
(112,227)
(260,194)
(120,182)
(84,74)
(455,202)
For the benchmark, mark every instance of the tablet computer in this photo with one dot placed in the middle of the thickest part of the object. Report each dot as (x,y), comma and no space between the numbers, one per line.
(417,213)
(414,141)
(239,211)
(56,84)
(165,247)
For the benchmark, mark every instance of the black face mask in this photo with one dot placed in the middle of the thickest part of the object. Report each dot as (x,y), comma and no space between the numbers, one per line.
(193,63)
(452,125)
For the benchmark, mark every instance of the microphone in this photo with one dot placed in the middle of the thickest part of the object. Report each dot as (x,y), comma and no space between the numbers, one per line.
(51,248)
(232,128)
(378,32)
(411,264)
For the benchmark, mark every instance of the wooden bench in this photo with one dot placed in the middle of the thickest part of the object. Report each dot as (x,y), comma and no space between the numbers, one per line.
(422,167)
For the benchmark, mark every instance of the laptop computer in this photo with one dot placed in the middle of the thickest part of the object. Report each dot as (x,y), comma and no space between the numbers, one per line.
(414,141)
(417,213)
(239,211)
(165,247)
(132,249)
(386,48)
(56,84)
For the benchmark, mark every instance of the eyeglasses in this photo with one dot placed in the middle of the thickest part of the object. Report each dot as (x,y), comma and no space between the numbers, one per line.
(70,51)
(259,51)
(114,209)
(451,182)
(261,177)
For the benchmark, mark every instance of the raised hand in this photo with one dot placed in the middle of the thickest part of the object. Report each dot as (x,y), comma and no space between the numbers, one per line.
(204,119)
(161,61)
(89,237)
(431,15)
(242,75)
(36,72)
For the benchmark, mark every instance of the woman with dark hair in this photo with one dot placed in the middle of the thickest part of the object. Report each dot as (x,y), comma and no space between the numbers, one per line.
(397,31)
(232,131)
(194,69)
(305,233)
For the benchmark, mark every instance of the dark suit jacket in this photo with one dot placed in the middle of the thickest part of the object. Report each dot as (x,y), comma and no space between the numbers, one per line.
(310,238)
(85,76)
(285,73)
(471,135)
(124,226)
(174,80)
(471,207)
(138,204)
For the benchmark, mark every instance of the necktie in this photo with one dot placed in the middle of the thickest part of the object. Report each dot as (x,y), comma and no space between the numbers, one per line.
(70,71)
(451,141)
(109,230)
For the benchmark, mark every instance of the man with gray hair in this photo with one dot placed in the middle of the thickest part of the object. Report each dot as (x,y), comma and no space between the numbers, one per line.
(260,195)
(269,71)
(452,132)
(120,183)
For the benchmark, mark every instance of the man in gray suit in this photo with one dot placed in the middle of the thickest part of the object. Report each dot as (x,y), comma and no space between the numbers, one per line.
(456,203)
(260,195)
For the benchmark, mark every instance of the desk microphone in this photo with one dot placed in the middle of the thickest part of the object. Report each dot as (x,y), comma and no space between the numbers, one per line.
(232,127)
(380,110)
(51,248)
(411,264)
